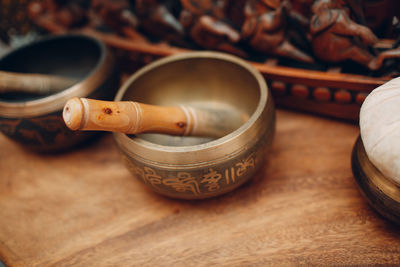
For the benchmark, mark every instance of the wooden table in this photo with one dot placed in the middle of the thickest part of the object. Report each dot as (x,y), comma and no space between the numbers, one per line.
(84,208)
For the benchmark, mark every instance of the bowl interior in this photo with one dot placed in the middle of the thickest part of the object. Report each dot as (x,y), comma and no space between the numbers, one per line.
(68,56)
(210,82)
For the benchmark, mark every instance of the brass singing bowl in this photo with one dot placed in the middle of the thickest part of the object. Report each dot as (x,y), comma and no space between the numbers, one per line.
(198,167)
(34,120)
(381,193)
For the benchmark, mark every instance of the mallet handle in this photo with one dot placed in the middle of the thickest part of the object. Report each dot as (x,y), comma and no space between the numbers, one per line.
(125,116)
(33,83)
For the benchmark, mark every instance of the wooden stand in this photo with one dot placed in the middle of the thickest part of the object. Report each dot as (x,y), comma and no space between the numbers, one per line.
(330,93)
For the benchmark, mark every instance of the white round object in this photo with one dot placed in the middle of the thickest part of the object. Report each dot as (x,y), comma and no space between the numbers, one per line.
(380,128)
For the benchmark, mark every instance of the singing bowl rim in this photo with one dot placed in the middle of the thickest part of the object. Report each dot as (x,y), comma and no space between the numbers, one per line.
(55,102)
(380,191)
(212,152)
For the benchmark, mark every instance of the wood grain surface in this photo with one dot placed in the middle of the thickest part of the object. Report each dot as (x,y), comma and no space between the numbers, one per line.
(83,208)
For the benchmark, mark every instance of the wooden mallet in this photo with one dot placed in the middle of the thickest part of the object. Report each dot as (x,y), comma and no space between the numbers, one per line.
(32,83)
(134,118)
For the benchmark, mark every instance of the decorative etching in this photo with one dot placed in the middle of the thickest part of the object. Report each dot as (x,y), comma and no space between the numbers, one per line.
(244,165)
(211,179)
(183,182)
(151,176)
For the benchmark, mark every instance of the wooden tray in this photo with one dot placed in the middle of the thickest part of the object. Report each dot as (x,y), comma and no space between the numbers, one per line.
(83,208)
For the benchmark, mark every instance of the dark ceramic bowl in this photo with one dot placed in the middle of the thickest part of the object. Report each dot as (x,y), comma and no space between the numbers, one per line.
(36,121)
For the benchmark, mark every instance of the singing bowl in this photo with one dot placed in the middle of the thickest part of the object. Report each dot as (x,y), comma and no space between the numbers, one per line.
(198,167)
(35,121)
(381,193)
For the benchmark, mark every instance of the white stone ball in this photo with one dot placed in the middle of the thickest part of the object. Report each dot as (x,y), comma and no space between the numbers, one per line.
(380,128)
